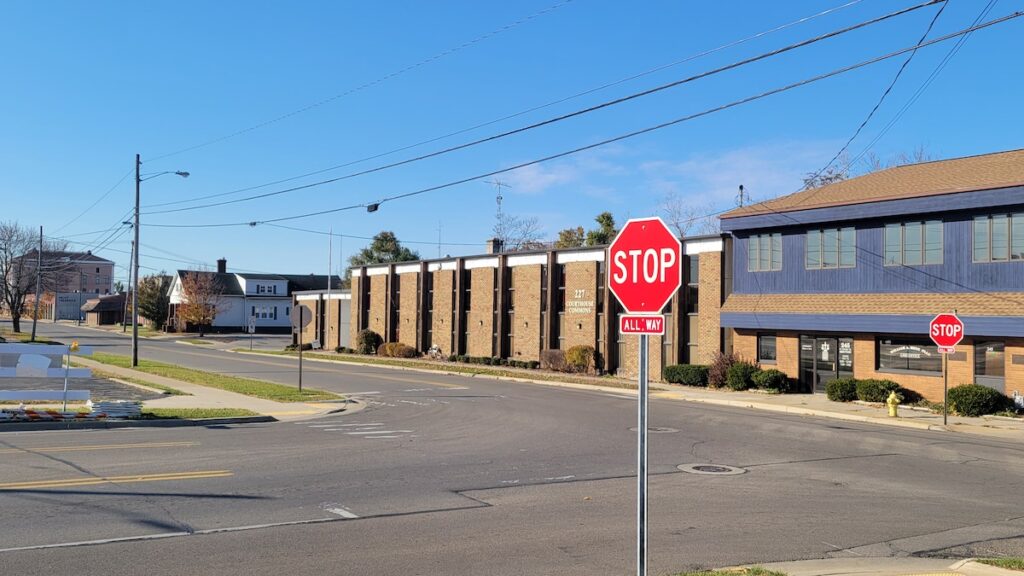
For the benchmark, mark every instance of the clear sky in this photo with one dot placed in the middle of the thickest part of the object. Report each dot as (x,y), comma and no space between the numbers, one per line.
(245,93)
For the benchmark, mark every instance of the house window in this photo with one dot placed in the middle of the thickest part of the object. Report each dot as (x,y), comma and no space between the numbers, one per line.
(275,313)
(990,364)
(287,310)
(909,354)
(831,248)
(764,253)
(766,352)
(253,311)
(999,238)
(913,243)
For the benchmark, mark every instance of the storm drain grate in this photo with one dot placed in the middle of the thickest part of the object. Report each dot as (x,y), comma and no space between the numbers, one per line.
(711,469)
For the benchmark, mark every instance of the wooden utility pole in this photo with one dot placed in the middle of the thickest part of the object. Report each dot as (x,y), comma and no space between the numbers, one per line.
(39,284)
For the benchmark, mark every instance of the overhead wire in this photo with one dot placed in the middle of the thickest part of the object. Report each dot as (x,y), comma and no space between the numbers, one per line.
(354,237)
(586,92)
(371,83)
(98,200)
(621,137)
(574,114)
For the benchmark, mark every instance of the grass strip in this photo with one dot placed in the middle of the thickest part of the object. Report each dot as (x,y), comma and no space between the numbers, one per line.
(1009,563)
(197,341)
(140,381)
(246,386)
(24,338)
(747,571)
(194,413)
(455,368)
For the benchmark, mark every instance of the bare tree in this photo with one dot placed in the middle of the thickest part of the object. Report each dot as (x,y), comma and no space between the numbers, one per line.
(202,298)
(19,260)
(688,218)
(517,232)
(843,168)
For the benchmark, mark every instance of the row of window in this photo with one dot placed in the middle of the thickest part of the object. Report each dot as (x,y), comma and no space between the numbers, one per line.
(267,312)
(913,354)
(996,238)
(266,288)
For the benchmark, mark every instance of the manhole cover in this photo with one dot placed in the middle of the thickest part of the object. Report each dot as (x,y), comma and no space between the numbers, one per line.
(711,469)
(656,430)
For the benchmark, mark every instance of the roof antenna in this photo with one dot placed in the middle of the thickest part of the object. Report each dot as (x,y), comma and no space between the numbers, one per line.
(741,197)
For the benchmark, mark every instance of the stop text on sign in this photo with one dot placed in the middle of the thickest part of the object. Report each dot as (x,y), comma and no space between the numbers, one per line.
(641,324)
(651,262)
(947,330)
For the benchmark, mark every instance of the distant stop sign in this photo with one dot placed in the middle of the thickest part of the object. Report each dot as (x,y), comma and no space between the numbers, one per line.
(946,330)
(645,266)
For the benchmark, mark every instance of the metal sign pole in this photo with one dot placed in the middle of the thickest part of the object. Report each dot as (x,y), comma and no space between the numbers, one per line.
(301,308)
(641,469)
(945,388)
(67,367)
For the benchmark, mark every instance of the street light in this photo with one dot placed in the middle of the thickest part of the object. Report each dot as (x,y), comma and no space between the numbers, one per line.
(135,253)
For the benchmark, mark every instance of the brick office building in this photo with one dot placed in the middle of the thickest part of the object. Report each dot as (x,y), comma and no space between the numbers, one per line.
(515,305)
(843,280)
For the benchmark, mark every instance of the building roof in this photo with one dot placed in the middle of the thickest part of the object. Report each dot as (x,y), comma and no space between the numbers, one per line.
(228,281)
(76,257)
(300,282)
(966,304)
(111,303)
(968,174)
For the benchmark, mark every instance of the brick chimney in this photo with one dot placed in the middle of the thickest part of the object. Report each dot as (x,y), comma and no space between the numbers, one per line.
(222,266)
(494,246)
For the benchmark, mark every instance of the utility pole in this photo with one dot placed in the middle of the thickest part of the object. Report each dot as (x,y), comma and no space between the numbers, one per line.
(327,301)
(124,316)
(135,268)
(39,283)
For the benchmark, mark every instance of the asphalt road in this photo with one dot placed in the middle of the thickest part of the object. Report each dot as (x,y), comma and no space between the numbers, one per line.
(455,475)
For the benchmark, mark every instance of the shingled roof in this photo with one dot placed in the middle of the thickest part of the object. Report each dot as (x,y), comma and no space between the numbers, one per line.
(972,173)
(1009,304)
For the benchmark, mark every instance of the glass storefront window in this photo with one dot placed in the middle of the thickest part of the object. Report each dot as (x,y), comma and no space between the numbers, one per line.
(766,351)
(990,359)
(908,353)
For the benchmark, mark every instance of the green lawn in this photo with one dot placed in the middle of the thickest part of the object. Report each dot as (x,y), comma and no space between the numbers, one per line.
(194,413)
(1010,563)
(140,381)
(25,337)
(457,368)
(247,386)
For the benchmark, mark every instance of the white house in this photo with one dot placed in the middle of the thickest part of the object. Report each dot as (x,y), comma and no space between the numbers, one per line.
(263,298)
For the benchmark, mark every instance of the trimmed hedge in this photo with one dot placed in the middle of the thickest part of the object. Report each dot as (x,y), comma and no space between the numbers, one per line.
(976,400)
(740,375)
(686,374)
(841,390)
(719,368)
(772,379)
(494,361)
(580,358)
(875,390)
(368,341)
(554,360)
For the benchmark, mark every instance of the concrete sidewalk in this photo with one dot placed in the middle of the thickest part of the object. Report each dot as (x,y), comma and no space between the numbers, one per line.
(887,567)
(206,397)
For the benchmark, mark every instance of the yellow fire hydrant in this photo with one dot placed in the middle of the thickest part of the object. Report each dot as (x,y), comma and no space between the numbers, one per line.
(894,404)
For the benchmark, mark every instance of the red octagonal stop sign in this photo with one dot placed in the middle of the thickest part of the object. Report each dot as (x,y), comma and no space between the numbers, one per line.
(645,266)
(946,330)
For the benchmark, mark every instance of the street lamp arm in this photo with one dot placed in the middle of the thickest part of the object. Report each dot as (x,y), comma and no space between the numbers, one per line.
(181,173)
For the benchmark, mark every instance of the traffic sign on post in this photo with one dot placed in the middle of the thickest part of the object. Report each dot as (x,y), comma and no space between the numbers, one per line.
(645,269)
(946,330)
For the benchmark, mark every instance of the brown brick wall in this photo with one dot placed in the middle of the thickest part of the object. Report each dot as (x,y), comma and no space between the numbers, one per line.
(332,338)
(353,327)
(442,315)
(480,319)
(928,386)
(628,360)
(787,346)
(580,320)
(377,319)
(527,327)
(406,329)
(312,330)
(1014,372)
(709,303)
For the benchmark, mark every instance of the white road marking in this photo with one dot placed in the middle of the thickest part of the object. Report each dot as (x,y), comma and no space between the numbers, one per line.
(363,393)
(412,402)
(510,481)
(321,425)
(379,432)
(362,424)
(375,437)
(341,512)
(561,478)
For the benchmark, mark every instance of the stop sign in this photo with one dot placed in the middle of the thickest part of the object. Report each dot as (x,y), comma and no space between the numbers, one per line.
(645,266)
(946,330)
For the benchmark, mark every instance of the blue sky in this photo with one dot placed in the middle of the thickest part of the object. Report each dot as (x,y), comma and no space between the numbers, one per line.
(89,85)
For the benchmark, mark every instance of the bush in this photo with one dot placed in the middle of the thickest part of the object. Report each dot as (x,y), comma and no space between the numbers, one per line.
(368,341)
(533,365)
(772,379)
(740,375)
(719,368)
(580,358)
(404,351)
(344,350)
(841,390)
(553,360)
(686,374)
(875,390)
(976,400)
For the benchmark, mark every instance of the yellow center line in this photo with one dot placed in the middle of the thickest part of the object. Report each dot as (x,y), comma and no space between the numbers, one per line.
(89,481)
(90,448)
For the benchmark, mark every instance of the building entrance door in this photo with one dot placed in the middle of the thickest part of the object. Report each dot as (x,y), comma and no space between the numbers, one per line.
(823,359)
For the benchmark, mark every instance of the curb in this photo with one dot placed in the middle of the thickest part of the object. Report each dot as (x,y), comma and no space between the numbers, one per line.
(111,424)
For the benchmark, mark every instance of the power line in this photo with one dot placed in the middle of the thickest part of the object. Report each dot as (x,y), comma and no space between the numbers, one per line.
(337,235)
(520,113)
(885,94)
(93,205)
(371,83)
(569,115)
(635,133)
